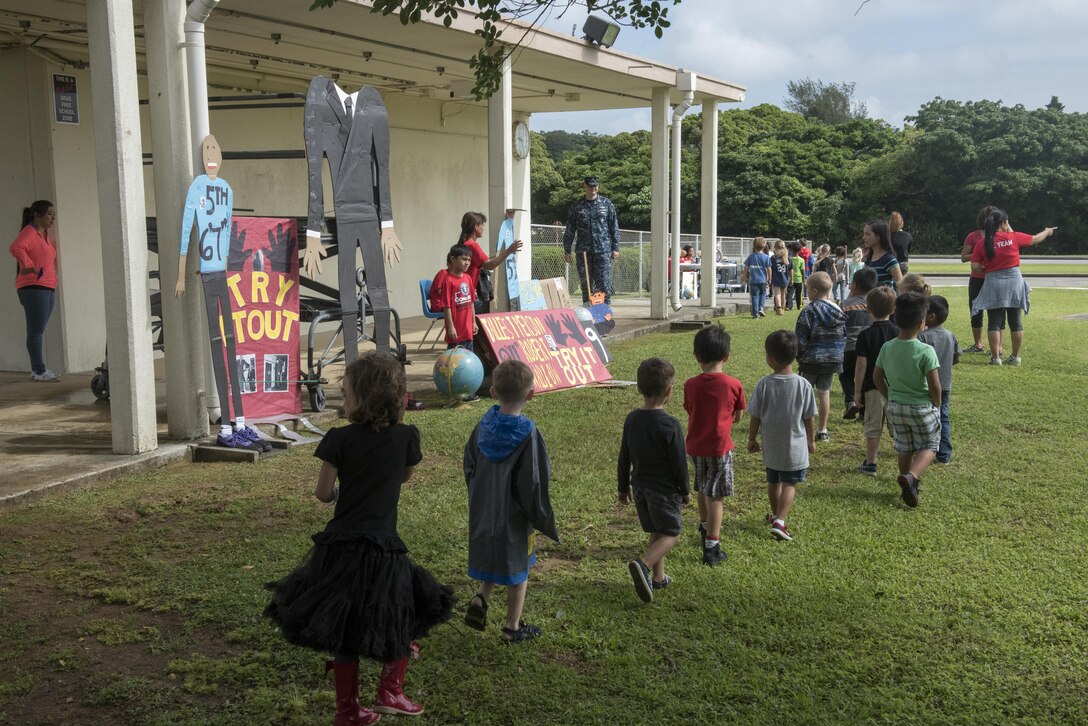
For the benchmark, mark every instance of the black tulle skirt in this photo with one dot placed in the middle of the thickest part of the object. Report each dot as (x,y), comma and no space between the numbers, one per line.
(358,594)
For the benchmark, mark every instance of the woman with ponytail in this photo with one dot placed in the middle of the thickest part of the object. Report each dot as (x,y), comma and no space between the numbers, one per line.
(36,280)
(472,229)
(1004,293)
(877,241)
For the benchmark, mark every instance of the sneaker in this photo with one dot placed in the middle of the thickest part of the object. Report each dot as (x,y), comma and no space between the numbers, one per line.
(823,436)
(661,584)
(867,468)
(995,361)
(851,412)
(762,314)
(236,441)
(779,531)
(46,376)
(472,398)
(640,575)
(976,348)
(1012,360)
(908,485)
(250,434)
(713,556)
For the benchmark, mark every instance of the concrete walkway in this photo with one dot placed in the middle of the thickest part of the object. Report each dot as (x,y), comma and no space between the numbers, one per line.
(55,437)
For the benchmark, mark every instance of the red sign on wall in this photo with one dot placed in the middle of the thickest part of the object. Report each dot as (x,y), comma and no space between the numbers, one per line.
(262,278)
(551,342)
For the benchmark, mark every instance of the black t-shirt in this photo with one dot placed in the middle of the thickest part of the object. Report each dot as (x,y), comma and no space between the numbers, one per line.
(370,466)
(901,242)
(652,453)
(870,341)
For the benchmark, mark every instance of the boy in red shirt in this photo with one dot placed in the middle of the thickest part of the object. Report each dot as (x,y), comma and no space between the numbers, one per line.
(713,401)
(452,293)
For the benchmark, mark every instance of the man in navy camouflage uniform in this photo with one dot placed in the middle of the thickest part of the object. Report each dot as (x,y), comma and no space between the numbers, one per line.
(593,220)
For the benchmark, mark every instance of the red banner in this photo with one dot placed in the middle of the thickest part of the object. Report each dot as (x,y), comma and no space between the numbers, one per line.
(551,342)
(262,277)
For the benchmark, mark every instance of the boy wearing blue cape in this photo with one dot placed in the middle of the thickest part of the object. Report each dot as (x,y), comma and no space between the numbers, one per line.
(507,472)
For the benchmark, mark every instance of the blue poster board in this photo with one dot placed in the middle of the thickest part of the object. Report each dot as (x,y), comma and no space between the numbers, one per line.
(506,238)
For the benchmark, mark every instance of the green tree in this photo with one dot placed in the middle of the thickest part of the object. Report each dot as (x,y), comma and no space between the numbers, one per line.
(544,179)
(487,62)
(832,103)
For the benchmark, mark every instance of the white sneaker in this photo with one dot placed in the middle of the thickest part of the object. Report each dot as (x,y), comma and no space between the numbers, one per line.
(995,361)
(47,376)
(1012,360)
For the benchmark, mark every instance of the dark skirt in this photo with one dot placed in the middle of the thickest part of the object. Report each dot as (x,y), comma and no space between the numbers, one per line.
(358,594)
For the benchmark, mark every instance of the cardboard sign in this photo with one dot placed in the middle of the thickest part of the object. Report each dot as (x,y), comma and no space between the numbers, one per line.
(555,293)
(532,295)
(262,277)
(552,342)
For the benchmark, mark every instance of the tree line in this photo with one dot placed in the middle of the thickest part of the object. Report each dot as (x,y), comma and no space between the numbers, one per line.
(824,172)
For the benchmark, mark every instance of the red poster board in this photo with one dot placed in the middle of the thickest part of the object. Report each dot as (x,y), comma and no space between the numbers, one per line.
(262,278)
(551,342)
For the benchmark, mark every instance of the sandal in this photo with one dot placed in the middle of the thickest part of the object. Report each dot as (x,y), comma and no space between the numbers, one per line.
(476,616)
(523,633)
(976,348)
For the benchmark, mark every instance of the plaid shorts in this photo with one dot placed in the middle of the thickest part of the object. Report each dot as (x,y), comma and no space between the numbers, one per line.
(915,426)
(714,475)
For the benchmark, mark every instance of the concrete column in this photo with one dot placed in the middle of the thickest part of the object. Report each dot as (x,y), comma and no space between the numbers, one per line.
(708,282)
(500,171)
(186,341)
(659,204)
(523,221)
(124,234)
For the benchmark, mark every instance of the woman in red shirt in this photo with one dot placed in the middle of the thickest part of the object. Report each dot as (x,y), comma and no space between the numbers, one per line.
(36,280)
(472,229)
(974,283)
(1004,292)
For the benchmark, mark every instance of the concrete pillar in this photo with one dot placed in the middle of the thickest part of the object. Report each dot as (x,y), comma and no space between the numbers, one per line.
(124,234)
(523,220)
(186,341)
(708,282)
(500,171)
(659,203)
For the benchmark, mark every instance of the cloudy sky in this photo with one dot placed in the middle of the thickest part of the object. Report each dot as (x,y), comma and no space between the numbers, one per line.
(900,53)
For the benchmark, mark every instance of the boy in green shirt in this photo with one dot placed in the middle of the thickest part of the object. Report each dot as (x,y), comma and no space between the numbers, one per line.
(908,374)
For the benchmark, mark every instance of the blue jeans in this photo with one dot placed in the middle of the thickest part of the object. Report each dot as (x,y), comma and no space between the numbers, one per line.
(944,451)
(759,297)
(37,305)
(839,290)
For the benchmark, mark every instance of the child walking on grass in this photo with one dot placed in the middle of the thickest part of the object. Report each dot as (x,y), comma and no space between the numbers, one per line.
(821,340)
(948,352)
(507,472)
(857,320)
(357,593)
(780,276)
(652,463)
(908,374)
(782,410)
(873,404)
(756,273)
(713,400)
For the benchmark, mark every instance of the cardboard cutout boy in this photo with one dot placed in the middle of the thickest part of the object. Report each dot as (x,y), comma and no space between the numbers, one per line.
(351,130)
(208,212)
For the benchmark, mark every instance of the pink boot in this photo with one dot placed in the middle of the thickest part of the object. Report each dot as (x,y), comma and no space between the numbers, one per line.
(348,710)
(391,698)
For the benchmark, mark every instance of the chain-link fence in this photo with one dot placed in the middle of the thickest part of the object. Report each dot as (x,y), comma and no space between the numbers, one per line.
(631,272)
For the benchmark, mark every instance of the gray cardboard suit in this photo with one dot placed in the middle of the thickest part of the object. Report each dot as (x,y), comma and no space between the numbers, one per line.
(357,149)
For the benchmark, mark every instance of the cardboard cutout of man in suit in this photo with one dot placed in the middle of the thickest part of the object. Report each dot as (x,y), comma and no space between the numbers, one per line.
(352,132)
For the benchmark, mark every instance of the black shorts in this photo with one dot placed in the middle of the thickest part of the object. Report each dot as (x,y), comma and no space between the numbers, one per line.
(658,512)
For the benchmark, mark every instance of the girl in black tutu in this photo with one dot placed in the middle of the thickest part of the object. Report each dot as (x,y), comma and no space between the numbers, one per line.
(357,593)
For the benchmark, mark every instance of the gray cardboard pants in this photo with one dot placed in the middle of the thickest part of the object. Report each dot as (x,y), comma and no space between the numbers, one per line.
(367,235)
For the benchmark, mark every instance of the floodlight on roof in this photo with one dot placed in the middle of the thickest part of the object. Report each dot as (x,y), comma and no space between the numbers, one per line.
(600,31)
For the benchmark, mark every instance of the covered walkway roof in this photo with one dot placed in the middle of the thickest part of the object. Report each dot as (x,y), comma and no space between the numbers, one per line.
(279,45)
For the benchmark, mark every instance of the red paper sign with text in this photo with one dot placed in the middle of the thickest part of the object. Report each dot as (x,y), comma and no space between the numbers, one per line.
(262,279)
(553,343)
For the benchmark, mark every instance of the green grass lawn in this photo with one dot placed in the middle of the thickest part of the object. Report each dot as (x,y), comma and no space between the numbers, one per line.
(140,602)
(1028,268)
